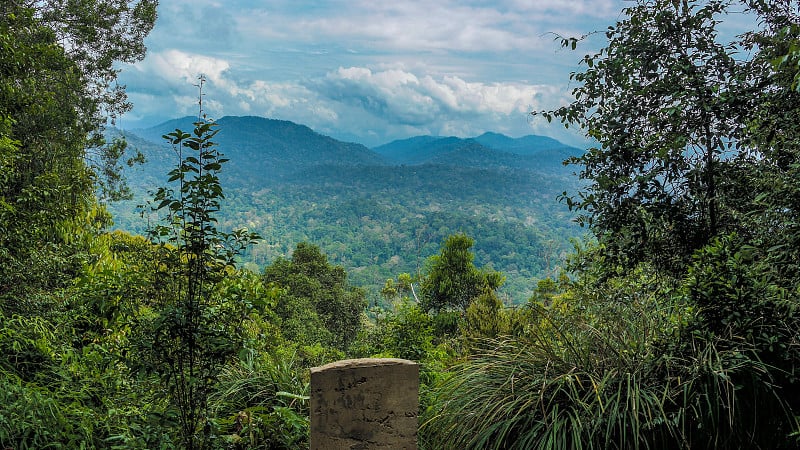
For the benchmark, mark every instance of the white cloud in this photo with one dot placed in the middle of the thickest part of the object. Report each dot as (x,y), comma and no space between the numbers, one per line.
(416,99)
(367,68)
(390,101)
(178,67)
(560,8)
(407,25)
(429,25)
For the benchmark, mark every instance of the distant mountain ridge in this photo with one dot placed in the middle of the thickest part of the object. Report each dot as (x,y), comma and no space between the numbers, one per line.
(265,151)
(526,145)
(381,211)
(260,148)
(489,149)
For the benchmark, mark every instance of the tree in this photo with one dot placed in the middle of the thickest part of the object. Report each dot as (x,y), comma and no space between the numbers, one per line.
(44,183)
(664,101)
(58,382)
(407,332)
(772,222)
(452,280)
(398,289)
(95,35)
(546,290)
(696,176)
(318,302)
(193,331)
(56,72)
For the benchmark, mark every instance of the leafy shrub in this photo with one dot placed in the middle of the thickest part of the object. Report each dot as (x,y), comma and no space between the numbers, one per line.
(262,402)
(626,364)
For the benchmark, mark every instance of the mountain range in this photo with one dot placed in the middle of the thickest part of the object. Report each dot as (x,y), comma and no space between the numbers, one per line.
(380,211)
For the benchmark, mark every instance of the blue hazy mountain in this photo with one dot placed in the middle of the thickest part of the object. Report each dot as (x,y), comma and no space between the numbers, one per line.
(487,150)
(263,149)
(526,145)
(382,211)
(416,150)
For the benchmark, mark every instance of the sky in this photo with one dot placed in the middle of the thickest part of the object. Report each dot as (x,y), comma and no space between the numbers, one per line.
(368,71)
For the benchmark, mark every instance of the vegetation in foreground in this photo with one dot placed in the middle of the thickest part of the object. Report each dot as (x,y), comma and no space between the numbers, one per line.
(676,328)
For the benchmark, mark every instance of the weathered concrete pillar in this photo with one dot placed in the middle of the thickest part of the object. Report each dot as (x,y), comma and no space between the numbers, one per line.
(360,404)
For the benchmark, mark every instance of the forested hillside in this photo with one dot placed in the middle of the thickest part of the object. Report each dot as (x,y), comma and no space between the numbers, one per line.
(382,212)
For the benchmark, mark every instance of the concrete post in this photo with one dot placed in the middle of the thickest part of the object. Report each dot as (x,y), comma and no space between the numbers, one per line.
(361,404)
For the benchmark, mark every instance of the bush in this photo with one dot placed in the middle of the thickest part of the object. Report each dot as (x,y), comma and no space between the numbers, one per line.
(262,402)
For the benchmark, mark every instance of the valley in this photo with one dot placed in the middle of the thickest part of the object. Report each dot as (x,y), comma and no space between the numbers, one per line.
(383,211)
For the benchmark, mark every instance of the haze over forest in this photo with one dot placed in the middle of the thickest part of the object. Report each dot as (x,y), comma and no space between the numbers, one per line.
(381,211)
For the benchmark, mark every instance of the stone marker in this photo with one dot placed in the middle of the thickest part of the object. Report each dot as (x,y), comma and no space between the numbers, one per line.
(360,404)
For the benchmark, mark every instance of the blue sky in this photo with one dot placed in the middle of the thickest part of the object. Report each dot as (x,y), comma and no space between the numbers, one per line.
(368,71)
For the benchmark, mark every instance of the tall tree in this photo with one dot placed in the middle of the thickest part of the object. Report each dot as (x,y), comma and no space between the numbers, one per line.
(57,85)
(96,35)
(662,100)
(453,281)
(696,174)
(195,331)
(773,219)
(318,304)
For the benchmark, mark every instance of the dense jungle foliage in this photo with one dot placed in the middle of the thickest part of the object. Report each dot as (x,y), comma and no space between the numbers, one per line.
(677,326)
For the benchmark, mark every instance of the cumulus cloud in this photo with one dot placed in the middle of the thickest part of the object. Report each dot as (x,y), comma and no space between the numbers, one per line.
(365,69)
(401,103)
(178,67)
(430,25)
(377,103)
(174,74)
(407,98)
